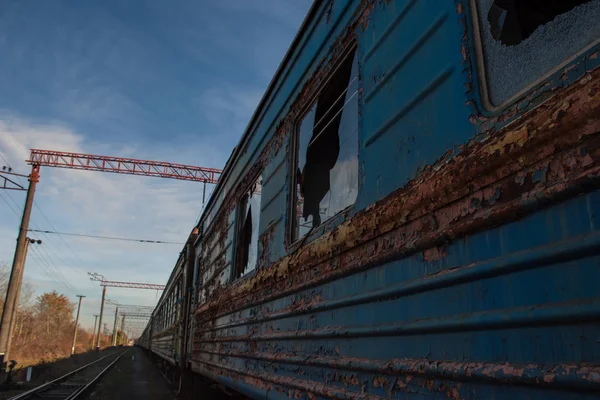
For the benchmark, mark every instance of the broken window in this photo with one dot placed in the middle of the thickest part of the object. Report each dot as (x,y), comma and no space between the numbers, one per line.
(326,159)
(512,21)
(519,42)
(247,233)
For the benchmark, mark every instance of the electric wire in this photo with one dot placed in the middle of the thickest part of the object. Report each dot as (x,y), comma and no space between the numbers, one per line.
(54,265)
(8,204)
(47,265)
(60,237)
(107,237)
(7,164)
(42,263)
(52,246)
(78,268)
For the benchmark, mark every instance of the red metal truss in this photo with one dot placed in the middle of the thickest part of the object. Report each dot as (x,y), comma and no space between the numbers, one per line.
(8,183)
(130,316)
(133,285)
(121,165)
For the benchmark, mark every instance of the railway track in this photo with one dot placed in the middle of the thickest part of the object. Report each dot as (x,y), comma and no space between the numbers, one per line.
(76,383)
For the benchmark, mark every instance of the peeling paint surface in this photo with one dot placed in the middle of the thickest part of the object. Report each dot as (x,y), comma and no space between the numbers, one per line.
(468,267)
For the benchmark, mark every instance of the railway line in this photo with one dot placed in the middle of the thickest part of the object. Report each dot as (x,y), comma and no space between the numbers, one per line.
(75,384)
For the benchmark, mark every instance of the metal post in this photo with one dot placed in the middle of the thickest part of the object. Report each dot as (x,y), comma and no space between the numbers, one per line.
(94,331)
(76,324)
(12,293)
(13,322)
(97,346)
(122,328)
(13,319)
(114,338)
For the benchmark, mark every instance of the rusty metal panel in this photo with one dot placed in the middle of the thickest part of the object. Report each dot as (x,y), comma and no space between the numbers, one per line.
(467,269)
(164,346)
(418,65)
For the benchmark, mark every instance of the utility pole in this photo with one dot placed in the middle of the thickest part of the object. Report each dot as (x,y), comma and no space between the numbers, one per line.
(76,324)
(19,285)
(122,328)
(115,331)
(13,290)
(104,283)
(97,346)
(114,338)
(94,331)
(114,334)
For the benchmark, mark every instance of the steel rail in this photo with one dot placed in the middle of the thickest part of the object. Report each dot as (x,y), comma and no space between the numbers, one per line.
(85,388)
(72,396)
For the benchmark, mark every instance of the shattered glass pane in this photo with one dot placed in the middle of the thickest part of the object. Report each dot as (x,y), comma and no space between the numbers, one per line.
(524,40)
(248,232)
(512,21)
(327,151)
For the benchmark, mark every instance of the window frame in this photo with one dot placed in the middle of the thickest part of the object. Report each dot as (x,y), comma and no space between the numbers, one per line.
(197,279)
(350,51)
(238,225)
(482,91)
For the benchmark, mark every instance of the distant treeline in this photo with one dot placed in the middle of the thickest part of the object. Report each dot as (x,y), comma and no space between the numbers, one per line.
(44,325)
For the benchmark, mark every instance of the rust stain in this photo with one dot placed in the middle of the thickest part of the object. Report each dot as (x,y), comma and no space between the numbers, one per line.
(282,133)
(435,253)
(512,138)
(352,380)
(425,373)
(459,194)
(379,381)
(567,70)
(265,241)
(493,179)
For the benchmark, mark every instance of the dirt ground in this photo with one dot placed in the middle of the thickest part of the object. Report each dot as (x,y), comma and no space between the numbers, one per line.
(43,373)
(133,377)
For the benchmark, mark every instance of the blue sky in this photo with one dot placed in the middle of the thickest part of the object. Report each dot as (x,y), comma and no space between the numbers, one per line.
(173,81)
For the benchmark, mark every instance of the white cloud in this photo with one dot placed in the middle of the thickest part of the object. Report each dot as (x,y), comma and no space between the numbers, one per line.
(139,84)
(96,203)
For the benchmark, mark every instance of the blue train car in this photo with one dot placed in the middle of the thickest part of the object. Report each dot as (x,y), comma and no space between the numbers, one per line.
(413,210)
(166,334)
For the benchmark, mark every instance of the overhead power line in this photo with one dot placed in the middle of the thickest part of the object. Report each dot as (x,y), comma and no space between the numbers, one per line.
(22,178)
(5,161)
(18,210)
(9,205)
(45,258)
(59,236)
(107,237)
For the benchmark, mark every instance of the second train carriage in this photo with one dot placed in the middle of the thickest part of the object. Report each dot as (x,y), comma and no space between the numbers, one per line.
(412,211)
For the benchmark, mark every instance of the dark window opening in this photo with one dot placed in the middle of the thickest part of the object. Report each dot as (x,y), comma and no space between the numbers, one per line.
(512,21)
(326,160)
(247,232)
(198,280)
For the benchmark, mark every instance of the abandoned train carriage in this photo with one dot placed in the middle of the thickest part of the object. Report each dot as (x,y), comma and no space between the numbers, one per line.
(413,211)
(165,332)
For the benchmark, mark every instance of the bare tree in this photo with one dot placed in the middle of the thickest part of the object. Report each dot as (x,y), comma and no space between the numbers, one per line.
(27,291)
(44,324)
(4,276)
